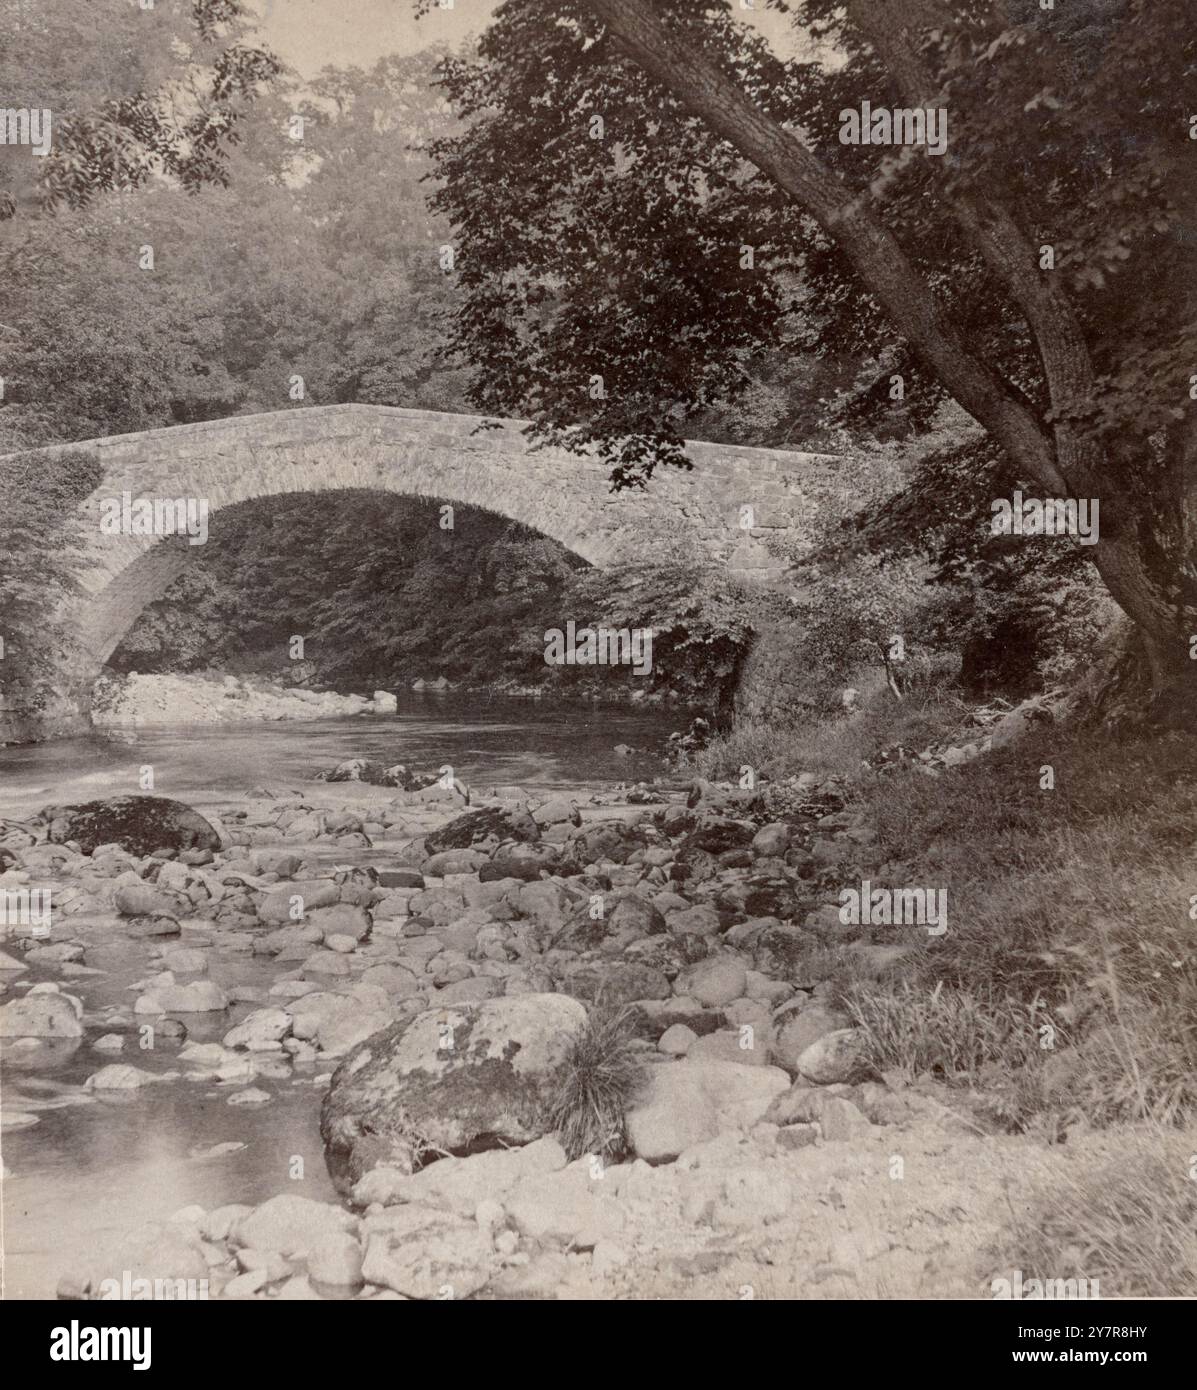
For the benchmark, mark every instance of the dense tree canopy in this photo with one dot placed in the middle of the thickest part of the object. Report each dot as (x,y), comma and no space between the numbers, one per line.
(319,261)
(638,188)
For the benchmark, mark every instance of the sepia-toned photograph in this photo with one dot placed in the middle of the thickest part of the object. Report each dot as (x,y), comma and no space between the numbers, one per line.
(598,661)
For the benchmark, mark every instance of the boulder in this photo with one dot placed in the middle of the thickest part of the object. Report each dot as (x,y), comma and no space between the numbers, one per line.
(715,981)
(835,1057)
(797,1031)
(492,824)
(559,810)
(612,927)
(139,824)
(321,963)
(606,839)
(162,1254)
(144,900)
(702,919)
(526,860)
(668,954)
(616,983)
(730,1045)
(42,1015)
(470,991)
(337,1259)
(458,1079)
(676,1040)
(453,861)
(260,1030)
(564,1208)
(836,1116)
(421,1252)
(119,1076)
(400,878)
(772,840)
(199,997)
(158,925)
(311,1013)
(281,904)
(717,835)
(343,1031)
(341,919)
(459,1184)
(289,1225)
(544,901)
(397,980)
(690,1102)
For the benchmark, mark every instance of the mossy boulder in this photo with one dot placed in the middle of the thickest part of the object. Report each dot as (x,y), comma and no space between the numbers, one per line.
(489,827)
(455,1080)
(139,824)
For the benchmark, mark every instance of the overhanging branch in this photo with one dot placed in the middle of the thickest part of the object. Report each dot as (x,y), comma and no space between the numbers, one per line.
(709,93)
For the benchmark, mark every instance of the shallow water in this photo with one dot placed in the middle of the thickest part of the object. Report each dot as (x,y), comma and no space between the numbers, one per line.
(488,743)
(92,1168)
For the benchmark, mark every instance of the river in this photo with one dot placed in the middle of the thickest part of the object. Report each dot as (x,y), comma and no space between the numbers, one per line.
(495,742)
(92,1167)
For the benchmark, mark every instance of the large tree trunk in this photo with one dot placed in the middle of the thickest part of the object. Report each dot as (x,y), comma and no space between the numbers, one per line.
(1157,668)
(1147,558)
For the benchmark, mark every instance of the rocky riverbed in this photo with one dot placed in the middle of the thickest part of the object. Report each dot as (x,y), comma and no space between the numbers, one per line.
(403,980)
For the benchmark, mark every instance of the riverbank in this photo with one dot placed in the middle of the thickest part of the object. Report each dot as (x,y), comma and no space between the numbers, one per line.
(138,700)
(748,1162)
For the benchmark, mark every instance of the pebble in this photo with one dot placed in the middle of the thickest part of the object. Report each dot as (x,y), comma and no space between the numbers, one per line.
(250,1096)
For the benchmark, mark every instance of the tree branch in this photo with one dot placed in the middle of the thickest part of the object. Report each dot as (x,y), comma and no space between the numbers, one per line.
(704,89)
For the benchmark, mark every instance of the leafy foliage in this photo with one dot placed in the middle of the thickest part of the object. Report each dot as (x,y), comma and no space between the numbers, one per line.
(638,259)
(320,262)
(381,593)
(134,93)
(39,557)
(702,624)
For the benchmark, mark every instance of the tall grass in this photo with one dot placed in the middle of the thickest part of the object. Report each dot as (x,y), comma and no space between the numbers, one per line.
(1128,1220)
(949,1033)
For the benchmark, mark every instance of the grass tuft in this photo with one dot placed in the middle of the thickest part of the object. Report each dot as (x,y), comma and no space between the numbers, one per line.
(599,1080)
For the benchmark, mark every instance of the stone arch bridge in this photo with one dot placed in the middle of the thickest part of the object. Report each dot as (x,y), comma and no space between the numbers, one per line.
(417,453)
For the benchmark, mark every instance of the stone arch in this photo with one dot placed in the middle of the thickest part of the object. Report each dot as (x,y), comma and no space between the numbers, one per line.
(414,453)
